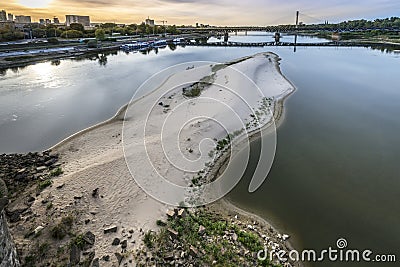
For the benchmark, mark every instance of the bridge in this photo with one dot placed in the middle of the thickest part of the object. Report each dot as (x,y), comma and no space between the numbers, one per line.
(278,28)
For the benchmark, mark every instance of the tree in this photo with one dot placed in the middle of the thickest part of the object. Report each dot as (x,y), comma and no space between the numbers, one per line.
(100,34)
(77,27)
(72,34)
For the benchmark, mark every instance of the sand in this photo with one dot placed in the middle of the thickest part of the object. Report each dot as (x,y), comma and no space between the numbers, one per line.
(94,158)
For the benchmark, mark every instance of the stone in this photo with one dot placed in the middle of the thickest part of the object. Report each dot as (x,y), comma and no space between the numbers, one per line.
(124,244)
(193,251)
(169,256)
(75,255)
(38,230)
(96,263)
(202,230)
(181,213)
(171,213)
(173,233)
(60,186)
(116,241)
(111,229)
(41,168)
(234,237)
(89,238)
(131,231)
(95,193)
(119,257)
(31,199)
(106,258)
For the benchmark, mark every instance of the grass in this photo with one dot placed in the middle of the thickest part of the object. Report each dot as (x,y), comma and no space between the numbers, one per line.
(211,245)
(56,172)
(44,184)
(60,230)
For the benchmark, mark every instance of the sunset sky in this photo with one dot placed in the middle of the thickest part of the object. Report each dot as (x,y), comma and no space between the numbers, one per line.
(215,12)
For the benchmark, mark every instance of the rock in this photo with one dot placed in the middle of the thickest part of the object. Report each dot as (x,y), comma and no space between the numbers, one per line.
(60,186)
(106,258)
(31,199)
(111,229)
(193,251)
(87,221)
(75,255)
(96,263)
(95,193)
(181,213)
(124,244)
(173,233)
(131,231)
(116,241)
(119,257)
(89,238)
(169,256)
(171,213)
(234,237)
(38,230)
(202,230)
(285,237)
(41,168)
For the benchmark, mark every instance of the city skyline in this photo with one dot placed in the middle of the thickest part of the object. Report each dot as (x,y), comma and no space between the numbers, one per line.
(189,12)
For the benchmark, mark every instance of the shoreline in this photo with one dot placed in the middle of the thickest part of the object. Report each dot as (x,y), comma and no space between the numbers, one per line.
(226,206)
(66,147)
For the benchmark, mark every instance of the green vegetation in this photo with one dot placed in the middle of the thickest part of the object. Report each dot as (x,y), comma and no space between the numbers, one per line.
(213,245)
(56,172)
(60,230)
(100,34)
(53,41)
(44,184)
(92,44)
(72,34)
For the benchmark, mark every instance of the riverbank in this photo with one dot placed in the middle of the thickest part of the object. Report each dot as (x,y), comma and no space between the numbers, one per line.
(97,189)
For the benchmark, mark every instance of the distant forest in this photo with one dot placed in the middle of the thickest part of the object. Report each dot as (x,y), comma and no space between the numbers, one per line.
(392,23)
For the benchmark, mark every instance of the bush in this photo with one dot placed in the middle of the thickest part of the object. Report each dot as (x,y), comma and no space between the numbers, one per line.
(92,44)
(53,41)
(44,184)
(56,172)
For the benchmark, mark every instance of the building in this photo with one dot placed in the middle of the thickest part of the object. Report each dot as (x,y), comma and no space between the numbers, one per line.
(3,15)
(23,19)
(47,21)
(84,20)
(56,20)
(41,21)
(10,17)
(149,22)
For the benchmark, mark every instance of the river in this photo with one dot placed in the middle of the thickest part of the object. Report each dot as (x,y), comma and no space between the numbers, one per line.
(336,172)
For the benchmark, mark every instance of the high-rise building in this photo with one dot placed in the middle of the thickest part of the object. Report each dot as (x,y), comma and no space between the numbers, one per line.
(10,17)
(84,20)
(41,21)
(150,22)
(3,15)
(56,20)
(47,21)
(23,19)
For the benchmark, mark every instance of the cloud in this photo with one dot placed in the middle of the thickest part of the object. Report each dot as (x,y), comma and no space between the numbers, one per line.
(217,12)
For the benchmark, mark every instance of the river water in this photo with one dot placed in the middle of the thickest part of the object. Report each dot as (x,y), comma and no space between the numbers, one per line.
(336,172)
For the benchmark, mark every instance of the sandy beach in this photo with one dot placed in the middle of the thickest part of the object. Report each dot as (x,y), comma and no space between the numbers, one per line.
(95,159)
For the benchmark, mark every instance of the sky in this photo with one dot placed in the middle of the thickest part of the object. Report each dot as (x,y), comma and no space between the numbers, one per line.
(213,12)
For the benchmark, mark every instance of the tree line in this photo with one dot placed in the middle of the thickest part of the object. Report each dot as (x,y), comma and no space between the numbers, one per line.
(76,30)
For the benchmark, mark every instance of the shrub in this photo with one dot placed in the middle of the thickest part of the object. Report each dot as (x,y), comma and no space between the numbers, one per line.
(44,184)
(92,44)
(53,41)
(56,172)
